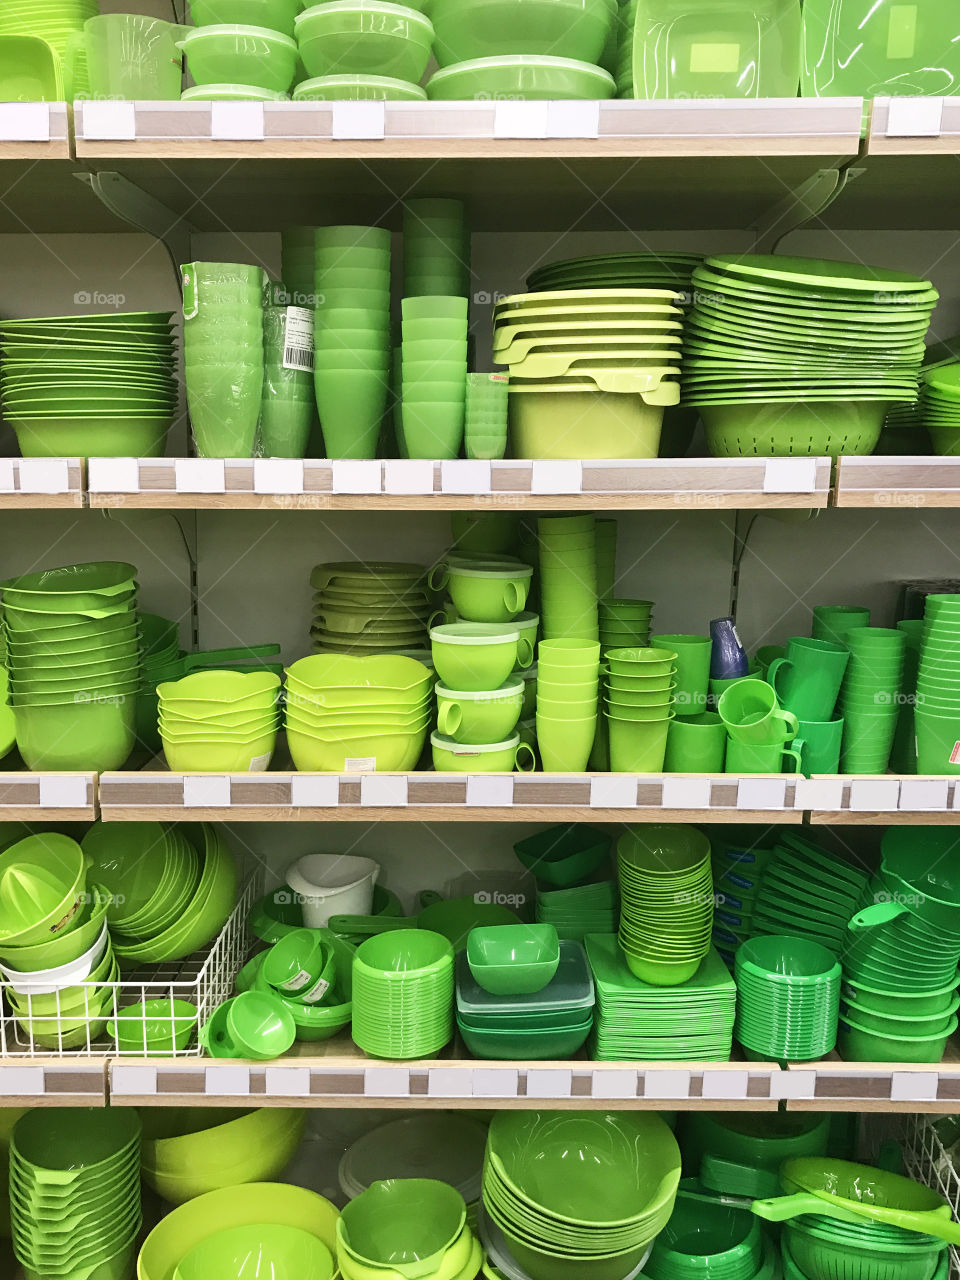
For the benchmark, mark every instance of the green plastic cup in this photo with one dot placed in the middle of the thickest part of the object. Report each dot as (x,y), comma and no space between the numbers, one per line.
(566,708)
(696,744)
(568,653)
(351,404)
(693,669)
(565,745)
(807,680)
(745,757)
(938,743)
(833,621)
(479,717)
(653,711)
(820,746)
(637,746)
(750,711)
(432,430)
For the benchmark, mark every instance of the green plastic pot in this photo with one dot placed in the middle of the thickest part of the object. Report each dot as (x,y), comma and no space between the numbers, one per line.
(240,54)
(498,757)
(479,716)
(513,959)
(364,37)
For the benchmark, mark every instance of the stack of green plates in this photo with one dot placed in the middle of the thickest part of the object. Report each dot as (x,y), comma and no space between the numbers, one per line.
(52,20)
(403,994)
(75,1192)
(639,1022)
(801,355)
(588,908)
(940,408)
(667,270)
(101,385)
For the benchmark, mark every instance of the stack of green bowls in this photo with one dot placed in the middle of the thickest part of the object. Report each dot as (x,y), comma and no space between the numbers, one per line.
(788,998)
(666,901)
(239,60)
(754,1144)
(624,624)
(588,908)
(341,708)
(365,37)
(485,415)
(73,653)
(160,662)
(207,908)
(75,1192)
(433,373)
(90,385)
(870,698)
(639,1022)
(938,687)
(289,402)
(520,77)
(580,1193)
(436,249)
(407,1227)
(468,29)
(591,370)
(313,1022)
(817,1247)
(368,608)
(220,721)
(568,577)
(223,355)
(8,725)
(403,986)
(940,408)
(707,1242)
(638,703)
(801,355)
(358,88)
(352,335)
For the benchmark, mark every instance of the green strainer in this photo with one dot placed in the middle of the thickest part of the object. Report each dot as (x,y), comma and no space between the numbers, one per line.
(854,1192)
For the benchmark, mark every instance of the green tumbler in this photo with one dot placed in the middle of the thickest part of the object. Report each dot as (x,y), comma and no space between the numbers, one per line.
(696,744)
(833,621)
(807,681)
(693,670)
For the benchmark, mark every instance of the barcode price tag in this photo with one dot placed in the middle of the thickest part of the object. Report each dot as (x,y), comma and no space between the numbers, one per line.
(298,339)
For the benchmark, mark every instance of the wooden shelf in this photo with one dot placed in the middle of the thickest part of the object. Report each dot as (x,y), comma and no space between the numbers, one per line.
(48,797)
(897,483)
(914,127)
(70,1081)
(399,485)
(28,484)
(881,800)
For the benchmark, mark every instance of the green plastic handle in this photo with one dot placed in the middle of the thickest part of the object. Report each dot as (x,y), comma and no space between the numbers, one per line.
(783,1208)
(880,913)
(772,670)
(369,924)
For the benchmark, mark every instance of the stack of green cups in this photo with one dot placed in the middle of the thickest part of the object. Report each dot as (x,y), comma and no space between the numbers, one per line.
(485,418)
(436,249)
(937,713)
(223,355)
(693,670)
(870,698)
(568,677)
(297,257)
(666,902)
(289,401)
(352,350)
(638,704)
(903,756)
(788,1002)
(834,621)
(606,535)
(403,994)
(568,577)
(625,624)
(433,375)
(75,1192)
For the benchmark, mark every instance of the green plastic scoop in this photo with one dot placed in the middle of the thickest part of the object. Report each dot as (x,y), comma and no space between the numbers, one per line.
(852,1192)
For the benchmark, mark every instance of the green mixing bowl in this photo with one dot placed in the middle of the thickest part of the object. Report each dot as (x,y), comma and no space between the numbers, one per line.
(393,752)
(154,1026)
(856,1043)
(282,1253)
(406,1224)
(364,37)
(237,54)
(65,946)
(258,1202)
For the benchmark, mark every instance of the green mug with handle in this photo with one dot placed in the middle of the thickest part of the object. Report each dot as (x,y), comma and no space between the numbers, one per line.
(807,681)
(696,744)
(766,757)
(753,716)
(821,746)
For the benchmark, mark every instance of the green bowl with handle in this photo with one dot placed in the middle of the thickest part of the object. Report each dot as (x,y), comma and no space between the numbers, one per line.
(364,37)
(240,54)
(496,757)
(479,716)
(478,656)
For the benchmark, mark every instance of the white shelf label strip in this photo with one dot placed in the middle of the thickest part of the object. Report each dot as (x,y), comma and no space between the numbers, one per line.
(386,1082)
(278,476)
(358,476)
(109,121)
(25,1082)
(314,791)
(287,1082)
(914,1086)
(494,791)
(24,122)
(384,790)
(727,1086)
(790,475)
(465,476)
(556,477)
(914,117)
(879,795)
(59,791)
(408,476)
(670,1085)
(359,121)
(615,1083)
(200,475)
(206,791)
(133,1080)
(236,121)
(44,475)
(113,475)
(613,791)
(687,793)
(6,476)
(549,1082)
(226,1081)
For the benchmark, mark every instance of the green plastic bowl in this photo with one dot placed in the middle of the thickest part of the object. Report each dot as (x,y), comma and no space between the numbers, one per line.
(154,1026)
(357,89)
(857,1043)
(188,755)
(275,15)
(394,752)
(493,757)
(301,966)
(564,856)
(484,716)
(513,959)
(406,1224)
(902,1024)
(65,946)
(254,1024)
(238,54)
(364,37)
(404,953)
(72,588)
(97,436)
(789,960)
(42,889)
(478,656)
(468,29)
(520,78)
(548,1044)
(897,1001)
(238,1206)
(283,1253)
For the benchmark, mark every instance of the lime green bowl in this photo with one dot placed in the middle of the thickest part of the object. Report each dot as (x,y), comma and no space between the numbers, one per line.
(194,1152)
(65,946)
(283,1253)
(240,54)
(154,1026)
(520,78)
(513,959)
(478,656)
(406,1224)
(257,1202)
(357,89)
(468,29)
(364,37)
(479,716)
(98,436)
(275,15)
(42,883)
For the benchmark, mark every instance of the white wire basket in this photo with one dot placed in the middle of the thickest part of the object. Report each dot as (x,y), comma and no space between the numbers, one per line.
(73,1023)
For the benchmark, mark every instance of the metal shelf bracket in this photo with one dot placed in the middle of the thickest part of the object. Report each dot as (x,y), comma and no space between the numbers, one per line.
(809,201)
(140,210)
